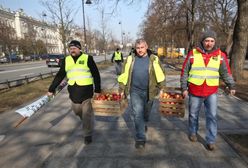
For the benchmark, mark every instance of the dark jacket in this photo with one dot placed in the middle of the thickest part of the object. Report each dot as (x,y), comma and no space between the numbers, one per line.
(117,61)
(79,93)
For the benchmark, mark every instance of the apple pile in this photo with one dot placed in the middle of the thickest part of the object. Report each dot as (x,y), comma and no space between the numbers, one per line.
(171,96)
(109,97)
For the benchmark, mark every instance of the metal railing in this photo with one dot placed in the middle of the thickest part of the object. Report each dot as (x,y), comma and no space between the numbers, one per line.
(25,80)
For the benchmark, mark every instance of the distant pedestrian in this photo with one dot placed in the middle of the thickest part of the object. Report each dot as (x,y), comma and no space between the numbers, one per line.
(132,51)
(83,82)
(142,78)
(200,75)
(117,57)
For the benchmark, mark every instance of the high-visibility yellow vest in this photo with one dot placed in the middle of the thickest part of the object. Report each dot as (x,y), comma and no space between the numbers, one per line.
(158,71)
(199,72)
(78,72)
(117,56)
(123,78)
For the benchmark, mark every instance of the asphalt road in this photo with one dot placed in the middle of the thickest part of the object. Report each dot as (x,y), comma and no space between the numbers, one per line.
(20,70)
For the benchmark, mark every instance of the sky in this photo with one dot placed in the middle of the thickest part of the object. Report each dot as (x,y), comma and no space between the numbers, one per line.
(130,16)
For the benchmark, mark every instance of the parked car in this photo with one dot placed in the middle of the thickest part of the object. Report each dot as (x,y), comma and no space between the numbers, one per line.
(27,58)
(3,60)
(14,58)
(54,59)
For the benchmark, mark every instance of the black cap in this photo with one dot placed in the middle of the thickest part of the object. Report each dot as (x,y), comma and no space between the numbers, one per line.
(75,43)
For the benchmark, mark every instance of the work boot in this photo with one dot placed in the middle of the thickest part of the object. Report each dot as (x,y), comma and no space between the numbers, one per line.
(210,147)
(140,144)
(193,138)
(87,140)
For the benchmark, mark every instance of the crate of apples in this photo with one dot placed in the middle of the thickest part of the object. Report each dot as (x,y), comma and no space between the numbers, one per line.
(171,103)
(108,103)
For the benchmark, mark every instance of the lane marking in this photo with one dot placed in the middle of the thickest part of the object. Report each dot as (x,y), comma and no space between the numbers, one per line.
(27,74)
(23,69)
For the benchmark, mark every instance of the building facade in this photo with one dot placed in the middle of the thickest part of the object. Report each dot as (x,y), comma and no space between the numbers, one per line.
(26,26)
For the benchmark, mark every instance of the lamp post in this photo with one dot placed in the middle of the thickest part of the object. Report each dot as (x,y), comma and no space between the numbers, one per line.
(44,16)
(85,40)
(120,23)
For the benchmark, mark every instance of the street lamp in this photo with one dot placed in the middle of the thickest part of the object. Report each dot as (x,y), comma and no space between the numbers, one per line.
(121,33)
(85,40)
(44,16)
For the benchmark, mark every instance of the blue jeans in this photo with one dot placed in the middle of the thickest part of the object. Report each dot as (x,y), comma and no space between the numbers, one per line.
(210,104)
(139,106)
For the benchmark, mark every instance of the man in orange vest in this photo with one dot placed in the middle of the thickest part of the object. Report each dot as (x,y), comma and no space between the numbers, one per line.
(200,75)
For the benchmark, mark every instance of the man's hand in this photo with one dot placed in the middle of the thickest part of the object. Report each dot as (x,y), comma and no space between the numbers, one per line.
(50,94)
(96,95)
(185,93)
(161,92)
(122,95)
(232,92)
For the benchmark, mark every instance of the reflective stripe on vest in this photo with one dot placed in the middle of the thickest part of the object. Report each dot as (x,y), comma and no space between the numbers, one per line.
(123,78)
(78,72)
(158,71)
(199,72)
(117,56)
(160,77)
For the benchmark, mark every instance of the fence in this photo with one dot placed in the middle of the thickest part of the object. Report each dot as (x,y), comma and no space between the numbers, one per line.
(25,80)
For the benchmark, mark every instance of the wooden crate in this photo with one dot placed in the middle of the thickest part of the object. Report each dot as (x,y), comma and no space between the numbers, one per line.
(109,107)
(170,106)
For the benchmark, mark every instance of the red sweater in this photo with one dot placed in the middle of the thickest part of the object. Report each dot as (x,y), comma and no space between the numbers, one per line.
(204,90)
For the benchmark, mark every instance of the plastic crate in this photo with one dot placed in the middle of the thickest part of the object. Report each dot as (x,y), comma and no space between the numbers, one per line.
(171,103)
(106,105)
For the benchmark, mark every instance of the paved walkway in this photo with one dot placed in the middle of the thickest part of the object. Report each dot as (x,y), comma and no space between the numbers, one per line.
(52,138)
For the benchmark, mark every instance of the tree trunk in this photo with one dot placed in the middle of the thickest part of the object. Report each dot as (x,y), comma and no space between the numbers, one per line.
(191,25)
(240,41)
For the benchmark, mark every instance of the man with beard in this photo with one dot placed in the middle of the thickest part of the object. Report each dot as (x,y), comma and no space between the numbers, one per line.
(201,71)
(83,81)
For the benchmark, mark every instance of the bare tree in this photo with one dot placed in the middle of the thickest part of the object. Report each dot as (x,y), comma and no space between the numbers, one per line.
(62,15)
(240,41)
(8,38)
(103,31)
(221,16)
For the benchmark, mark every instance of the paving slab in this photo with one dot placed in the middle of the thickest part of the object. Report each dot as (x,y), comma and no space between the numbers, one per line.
(53,137)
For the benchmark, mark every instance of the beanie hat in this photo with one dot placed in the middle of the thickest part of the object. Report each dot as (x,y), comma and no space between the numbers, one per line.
(208,33)
(75,43)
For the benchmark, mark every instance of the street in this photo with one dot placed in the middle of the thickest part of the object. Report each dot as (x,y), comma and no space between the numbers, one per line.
(20,70)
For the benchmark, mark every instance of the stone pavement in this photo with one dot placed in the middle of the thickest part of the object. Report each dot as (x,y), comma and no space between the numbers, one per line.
(52,138)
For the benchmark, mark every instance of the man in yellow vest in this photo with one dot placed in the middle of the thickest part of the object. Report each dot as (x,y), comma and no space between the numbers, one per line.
(118,58)
(200,75)
(142,77)
(83,82)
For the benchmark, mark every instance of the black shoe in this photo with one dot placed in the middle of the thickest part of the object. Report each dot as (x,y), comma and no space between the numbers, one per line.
(146,128)
(193,137)
(211,147)
(87,140)
(140,144)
